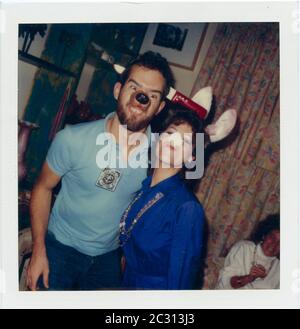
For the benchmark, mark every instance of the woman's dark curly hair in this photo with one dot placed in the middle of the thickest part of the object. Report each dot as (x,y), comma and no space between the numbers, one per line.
(176,114)
(153,61)
(271,223)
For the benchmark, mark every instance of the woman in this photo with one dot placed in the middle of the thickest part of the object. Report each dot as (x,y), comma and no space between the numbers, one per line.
(254,264)
(161,230)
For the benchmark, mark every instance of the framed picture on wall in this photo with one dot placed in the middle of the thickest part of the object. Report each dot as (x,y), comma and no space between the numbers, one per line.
(179,43)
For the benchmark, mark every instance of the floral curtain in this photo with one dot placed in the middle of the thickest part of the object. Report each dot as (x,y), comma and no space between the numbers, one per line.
(241,182)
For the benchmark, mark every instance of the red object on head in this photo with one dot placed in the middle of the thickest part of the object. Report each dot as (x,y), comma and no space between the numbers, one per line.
(187,102)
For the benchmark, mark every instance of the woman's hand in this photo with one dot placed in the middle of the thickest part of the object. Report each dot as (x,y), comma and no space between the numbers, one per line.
(240,281)
(258,271)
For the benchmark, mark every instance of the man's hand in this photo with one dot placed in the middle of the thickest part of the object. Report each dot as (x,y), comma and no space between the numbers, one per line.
(258,271)
(39,214)
(38,266)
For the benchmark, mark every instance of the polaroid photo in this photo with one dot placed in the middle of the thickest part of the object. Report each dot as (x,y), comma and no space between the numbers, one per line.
(205,217)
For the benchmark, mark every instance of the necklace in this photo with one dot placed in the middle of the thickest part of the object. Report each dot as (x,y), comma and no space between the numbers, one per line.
(125,234)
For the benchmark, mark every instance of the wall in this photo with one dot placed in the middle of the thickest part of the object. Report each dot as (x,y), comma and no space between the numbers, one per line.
(85,81)
(185,79)
(27,71)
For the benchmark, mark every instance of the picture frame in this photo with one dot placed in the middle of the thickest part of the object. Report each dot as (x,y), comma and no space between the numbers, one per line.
(173,40)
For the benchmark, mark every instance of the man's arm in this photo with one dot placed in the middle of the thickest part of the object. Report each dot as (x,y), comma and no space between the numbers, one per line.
(39,214)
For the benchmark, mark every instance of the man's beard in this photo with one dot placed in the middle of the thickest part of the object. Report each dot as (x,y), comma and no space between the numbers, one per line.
(133,123)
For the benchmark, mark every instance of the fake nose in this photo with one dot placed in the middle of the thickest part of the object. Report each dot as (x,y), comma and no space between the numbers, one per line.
(142,98)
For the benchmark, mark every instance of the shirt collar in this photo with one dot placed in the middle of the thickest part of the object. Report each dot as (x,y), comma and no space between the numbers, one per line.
(144,146)
(166,186)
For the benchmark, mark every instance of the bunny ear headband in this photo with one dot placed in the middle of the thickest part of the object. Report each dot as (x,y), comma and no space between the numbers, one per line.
(201,104)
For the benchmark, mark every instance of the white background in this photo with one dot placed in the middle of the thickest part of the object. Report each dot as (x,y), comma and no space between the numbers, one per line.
(286,14)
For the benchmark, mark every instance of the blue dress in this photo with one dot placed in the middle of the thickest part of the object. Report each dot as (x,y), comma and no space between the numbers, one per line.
(163,250)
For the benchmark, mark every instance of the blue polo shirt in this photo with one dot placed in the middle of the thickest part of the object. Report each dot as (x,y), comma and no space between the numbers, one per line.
(86,216)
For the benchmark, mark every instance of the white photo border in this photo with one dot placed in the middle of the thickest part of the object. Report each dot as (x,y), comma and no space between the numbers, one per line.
(283,12)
